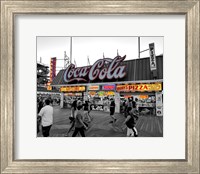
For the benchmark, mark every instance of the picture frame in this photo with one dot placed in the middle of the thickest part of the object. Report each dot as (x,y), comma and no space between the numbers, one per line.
(11,8)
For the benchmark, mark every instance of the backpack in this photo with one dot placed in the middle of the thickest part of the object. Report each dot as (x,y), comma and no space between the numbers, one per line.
(131,122)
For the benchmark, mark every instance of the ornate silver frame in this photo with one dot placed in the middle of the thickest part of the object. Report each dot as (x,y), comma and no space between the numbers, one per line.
(9,9)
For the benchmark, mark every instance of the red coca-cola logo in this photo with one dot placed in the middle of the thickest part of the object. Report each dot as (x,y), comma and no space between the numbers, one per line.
(102,69)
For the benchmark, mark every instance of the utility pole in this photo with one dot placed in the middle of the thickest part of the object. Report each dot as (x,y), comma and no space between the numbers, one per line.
(70,50)
(139,47)
(88,60)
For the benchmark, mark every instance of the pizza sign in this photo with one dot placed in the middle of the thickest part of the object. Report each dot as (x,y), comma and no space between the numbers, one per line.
(140,87)
(152,56)
(102,69)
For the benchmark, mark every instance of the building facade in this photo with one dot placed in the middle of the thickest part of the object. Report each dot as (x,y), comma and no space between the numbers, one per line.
(114,78)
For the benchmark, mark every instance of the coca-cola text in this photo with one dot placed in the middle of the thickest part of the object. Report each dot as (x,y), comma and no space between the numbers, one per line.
(102,69)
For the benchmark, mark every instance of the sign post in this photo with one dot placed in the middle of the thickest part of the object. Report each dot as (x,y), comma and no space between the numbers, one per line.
(159,104)
(62,100)
(52,69)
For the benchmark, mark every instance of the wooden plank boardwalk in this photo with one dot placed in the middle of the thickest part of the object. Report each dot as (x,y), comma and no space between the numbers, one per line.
(147,126)
(150,126)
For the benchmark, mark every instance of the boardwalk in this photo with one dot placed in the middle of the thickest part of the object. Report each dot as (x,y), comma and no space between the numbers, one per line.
(147,126)
(150,126)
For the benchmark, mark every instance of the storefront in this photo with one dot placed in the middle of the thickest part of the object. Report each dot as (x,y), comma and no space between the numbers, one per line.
(115,78)
(69,93)
(44,92)
(100,95)
(146,96)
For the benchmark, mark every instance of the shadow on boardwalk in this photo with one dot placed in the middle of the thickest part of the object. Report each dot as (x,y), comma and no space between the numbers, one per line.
(147,126)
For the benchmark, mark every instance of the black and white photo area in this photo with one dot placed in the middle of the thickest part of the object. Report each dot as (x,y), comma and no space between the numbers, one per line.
(69,70)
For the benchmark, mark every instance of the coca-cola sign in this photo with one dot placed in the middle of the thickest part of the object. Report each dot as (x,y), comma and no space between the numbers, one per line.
(102,69)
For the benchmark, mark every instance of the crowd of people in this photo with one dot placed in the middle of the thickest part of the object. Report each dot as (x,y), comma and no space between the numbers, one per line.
(80,117)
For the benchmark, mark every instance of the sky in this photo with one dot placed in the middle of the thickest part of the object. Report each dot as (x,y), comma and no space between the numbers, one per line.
(93,48)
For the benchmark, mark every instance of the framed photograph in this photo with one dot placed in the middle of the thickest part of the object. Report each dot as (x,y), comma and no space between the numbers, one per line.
(107,89)
(99,87)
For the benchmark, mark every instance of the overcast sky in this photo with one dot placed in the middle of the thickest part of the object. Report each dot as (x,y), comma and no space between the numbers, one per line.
(94,48)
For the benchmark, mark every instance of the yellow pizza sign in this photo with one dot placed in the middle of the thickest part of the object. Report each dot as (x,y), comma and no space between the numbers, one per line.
(72,88)
(139,87)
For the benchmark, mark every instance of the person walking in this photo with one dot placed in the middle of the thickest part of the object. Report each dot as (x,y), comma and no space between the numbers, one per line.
(125,106)
(73,108)
(130,123)
(80,126)
(72,116)
(86,111)
(112,111)
(129,105)
(46,116)
(90,109)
